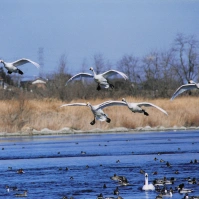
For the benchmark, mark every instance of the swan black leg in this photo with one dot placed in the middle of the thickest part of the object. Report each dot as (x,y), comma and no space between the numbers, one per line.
(145,113)
(98,87)
(93,122)
(19,71)
(111,85)
(108,120)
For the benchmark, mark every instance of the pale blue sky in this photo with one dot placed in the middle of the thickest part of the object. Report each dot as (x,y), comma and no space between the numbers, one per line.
(82,28)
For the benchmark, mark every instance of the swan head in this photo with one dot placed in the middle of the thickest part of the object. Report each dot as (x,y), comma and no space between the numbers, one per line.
(91,68)
(146,175)
(191,82)
(88,104)
(1,61)
(123,99)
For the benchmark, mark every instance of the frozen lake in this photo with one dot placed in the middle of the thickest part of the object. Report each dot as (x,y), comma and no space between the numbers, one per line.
(55,166)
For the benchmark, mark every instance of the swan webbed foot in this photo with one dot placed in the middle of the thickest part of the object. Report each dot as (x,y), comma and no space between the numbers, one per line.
(111,85)
(9,72)
(93,122)
(19,71)
(145,113)
(108,120)
(98,87)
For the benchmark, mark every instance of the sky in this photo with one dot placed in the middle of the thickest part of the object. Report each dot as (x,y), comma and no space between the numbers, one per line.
(80,29)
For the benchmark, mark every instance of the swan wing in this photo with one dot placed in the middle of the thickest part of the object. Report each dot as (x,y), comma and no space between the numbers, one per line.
(114,72)
(80,75)
(182,89)
(24,61)
(74,104)
(110,103)
(147,104)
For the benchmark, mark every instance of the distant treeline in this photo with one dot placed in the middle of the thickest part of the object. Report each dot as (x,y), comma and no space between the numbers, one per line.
(156,75)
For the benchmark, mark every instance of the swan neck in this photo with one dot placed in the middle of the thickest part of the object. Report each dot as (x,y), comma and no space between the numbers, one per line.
(127,103)
(90,106)
(94,72)
(3,62)
(146,181)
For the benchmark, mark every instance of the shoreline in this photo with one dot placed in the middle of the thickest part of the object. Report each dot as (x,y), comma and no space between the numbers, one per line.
(70,131)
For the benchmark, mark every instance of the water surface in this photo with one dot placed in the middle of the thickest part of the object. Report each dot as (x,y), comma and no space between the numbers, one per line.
(79,165)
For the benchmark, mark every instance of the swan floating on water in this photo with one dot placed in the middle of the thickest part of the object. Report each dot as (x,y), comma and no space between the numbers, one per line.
(191,85)
(12,66)
(100,79)
(147,186)
(136,107)
(97,109)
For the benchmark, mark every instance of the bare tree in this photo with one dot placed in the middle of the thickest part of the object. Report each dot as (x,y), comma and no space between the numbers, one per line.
(99,62)
(129,65)
(57,80)
(186,62)
(85,66)
(159,77)
(152,72)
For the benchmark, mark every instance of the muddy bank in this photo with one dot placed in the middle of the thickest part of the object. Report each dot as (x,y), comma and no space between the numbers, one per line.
(66,130)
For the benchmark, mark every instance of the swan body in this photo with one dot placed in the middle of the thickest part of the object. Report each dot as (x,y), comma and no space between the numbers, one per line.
(100,79)
(147,186)
(136,107)
(191,85)
(12,67)
(97,109)
(38,81)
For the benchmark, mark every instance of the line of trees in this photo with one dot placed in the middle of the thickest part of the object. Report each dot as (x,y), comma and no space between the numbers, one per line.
(157,74)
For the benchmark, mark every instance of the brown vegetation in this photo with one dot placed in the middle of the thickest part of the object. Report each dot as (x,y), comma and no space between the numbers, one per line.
(153,78)
(17,115)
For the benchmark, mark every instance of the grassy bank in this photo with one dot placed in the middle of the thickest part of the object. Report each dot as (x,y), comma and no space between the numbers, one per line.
(22,114)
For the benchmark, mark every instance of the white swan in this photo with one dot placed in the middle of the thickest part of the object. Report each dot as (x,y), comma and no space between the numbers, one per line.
(147,186)
(191,85)
(136,107)
(97,109)
(101,79)
(12,66)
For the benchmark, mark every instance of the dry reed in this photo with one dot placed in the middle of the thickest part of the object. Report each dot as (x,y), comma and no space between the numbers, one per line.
(17,115)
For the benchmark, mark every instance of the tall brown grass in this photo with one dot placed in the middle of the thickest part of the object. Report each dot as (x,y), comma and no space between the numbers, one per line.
(17,115)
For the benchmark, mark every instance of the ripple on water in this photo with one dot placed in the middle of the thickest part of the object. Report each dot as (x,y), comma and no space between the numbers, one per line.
(55,167)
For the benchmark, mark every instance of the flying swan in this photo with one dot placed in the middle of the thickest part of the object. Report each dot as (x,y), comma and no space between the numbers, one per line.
(147,186)
(100,79)
(97,109)
(191,85)
(12,66)
(136,107)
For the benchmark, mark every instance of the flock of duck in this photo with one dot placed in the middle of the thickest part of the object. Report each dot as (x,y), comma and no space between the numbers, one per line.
(158,185)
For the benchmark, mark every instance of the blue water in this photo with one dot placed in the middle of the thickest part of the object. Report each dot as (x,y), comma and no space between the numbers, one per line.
(44,160)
